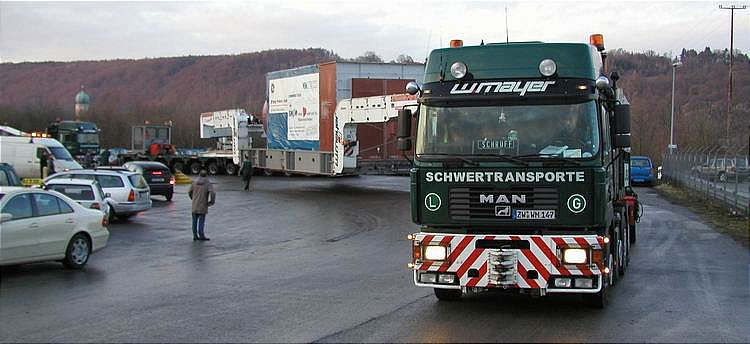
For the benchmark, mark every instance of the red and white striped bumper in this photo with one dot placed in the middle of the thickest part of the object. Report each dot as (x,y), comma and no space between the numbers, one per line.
(532,261)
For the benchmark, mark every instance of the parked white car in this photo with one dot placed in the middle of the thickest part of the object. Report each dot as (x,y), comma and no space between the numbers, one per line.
(86,192)
(129,192)
(39,225)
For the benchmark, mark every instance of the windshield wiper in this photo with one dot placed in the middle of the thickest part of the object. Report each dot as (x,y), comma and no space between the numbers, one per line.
(549,157)
(503,157)
(451,157)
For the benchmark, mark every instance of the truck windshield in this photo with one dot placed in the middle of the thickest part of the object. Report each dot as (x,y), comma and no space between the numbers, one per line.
(567,130)
(88,139)
(60,153)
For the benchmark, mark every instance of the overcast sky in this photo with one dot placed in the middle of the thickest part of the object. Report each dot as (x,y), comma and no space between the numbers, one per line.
(62,31)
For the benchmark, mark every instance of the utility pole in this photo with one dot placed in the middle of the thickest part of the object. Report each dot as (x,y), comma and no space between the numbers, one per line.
(731,60)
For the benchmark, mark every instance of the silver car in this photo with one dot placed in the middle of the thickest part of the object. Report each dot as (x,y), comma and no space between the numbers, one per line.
(129,192)
(86,192)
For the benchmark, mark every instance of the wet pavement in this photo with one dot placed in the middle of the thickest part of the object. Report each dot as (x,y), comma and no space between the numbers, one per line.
(306,259)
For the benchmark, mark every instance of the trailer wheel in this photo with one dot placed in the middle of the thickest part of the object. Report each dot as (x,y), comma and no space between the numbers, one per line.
(267,172)
(178,166)
(213,168)
(195,167)
(448,294)
(231,169)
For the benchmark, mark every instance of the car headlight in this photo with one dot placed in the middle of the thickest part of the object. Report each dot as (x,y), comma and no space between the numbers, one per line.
(435,252)
(574,256)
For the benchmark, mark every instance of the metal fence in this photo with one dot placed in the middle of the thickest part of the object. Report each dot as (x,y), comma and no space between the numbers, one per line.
(718,173)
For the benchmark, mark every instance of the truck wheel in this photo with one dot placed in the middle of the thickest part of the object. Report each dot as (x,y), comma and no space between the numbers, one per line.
(195,167)
(78,251)
(213,168)
(231,169)
(598,300)
(178,166)
(267,172)
(448,294)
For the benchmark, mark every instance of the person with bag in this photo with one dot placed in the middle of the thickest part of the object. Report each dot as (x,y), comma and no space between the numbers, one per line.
(201,192)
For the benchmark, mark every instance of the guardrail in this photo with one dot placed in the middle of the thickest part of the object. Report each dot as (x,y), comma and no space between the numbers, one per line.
(718,173)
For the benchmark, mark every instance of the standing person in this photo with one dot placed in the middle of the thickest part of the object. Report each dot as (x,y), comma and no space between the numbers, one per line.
(43,165)
(247,171)
(202,193)
(50,164)
(88,160)
(104,158)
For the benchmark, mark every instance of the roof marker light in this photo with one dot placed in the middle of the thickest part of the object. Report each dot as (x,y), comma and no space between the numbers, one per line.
(457,43)
(547,67)
(597,40)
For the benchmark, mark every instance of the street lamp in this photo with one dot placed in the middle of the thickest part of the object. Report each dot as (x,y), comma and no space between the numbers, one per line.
(672,146)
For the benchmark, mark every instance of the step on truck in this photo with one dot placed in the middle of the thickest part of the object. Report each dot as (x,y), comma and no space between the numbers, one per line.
(519,180)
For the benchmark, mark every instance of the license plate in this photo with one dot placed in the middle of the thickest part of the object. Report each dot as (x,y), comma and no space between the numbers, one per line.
(534,214)
(157,179)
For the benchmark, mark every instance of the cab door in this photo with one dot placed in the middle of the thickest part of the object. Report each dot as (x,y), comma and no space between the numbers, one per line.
(18,235)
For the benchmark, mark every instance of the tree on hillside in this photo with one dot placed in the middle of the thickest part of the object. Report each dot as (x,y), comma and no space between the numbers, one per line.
(368,56)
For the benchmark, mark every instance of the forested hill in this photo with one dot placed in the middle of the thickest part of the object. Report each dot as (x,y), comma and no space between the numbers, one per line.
(125,92)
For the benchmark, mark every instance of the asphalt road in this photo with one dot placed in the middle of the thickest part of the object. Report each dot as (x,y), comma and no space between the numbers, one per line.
(319,259)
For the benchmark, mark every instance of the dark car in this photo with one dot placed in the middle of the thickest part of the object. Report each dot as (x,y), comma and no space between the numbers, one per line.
(160,180)
(642,171)
(8,175)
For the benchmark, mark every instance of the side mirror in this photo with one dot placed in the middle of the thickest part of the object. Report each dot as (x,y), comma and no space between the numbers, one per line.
(107,195)
(412,88)
(621,130)
(5,217)
(404,129)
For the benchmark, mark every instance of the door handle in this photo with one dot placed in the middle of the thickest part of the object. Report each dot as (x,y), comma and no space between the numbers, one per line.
(69,221)
(34,225)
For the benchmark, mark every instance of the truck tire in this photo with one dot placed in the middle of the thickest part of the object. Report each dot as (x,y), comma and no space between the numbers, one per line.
(598,300)
(195,167)
(178,166)
(448,294)
(213,168)
(231,169)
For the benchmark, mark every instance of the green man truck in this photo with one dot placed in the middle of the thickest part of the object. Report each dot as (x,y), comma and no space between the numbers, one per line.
(78,137)
(519,180)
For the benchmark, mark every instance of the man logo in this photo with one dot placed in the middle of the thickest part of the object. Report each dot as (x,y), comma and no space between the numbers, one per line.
(502,210)
(514,199)
(576,203)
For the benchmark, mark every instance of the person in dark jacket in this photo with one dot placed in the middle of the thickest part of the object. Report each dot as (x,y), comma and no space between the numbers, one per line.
(247,171)
(202,194)
(50,164)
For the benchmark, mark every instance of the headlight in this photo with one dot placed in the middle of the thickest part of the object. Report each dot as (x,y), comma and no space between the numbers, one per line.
(547,67)
(435,252)
(574,256)
(459,70)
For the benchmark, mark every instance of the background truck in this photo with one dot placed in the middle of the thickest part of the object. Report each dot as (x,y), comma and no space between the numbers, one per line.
(520,171)
(304,105)
(78,137)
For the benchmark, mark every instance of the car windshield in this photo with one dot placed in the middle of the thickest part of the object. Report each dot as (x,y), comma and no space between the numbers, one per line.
(75,192)
(60,153)
(88,138)
(568,130)
(640,163)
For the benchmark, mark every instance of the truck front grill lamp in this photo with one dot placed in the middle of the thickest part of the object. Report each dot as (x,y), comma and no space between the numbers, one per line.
(435,253)
(574,256)
(459,70)
(547,67)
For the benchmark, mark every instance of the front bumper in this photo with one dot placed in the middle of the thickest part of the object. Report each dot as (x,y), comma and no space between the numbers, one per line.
(512,262)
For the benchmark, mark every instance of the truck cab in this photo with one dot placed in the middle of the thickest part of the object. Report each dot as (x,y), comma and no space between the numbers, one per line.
(78,137)
(519,170)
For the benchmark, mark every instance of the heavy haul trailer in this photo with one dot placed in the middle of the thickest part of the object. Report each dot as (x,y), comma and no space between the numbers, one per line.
(520,172)
(300,123)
